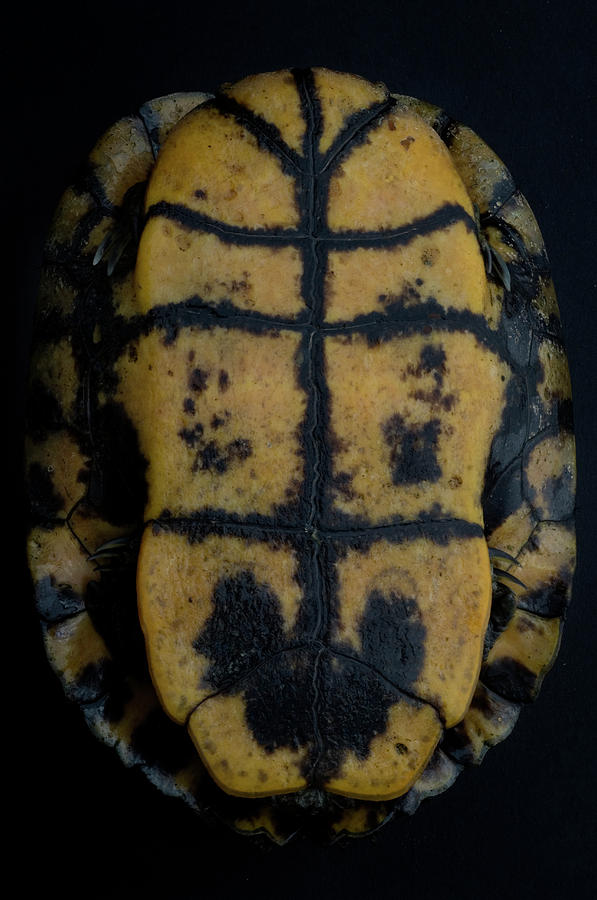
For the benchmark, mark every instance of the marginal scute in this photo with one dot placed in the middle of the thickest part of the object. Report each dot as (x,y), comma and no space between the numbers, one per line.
(487,180)
(58,464)
(550,473)
(160,115)
(489,720)
(57,559)
(546,565)
(438,775)
(521,656)
(80,657)
(121,158)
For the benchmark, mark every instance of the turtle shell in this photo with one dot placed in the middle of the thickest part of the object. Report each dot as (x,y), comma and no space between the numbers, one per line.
(300,453)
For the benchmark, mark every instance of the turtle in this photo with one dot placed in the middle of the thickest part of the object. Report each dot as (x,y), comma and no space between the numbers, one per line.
(299,453)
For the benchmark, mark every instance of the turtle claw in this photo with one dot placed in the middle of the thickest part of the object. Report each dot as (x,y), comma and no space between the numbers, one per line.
(126,228)
(494,553)
(507,579)
(502,271)
(114,553)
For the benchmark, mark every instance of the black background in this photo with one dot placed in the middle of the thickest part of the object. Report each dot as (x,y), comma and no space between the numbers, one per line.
(523,76)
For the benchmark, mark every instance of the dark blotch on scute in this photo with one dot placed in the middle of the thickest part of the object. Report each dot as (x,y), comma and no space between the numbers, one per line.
(56,601)
(412,450)
(245,628)
(433,360)
(93,681)
(393,637)
(510,679)
(353,709)
(557,497)
(198,380)
(330,700)
(551,599)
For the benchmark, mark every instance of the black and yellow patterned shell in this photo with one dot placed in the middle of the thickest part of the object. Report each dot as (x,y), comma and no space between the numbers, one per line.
(299,451)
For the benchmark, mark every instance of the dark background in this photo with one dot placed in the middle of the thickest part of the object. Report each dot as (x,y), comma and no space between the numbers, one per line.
(523,76)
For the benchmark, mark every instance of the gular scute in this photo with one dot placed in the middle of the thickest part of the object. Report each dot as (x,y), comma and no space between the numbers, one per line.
(333,379)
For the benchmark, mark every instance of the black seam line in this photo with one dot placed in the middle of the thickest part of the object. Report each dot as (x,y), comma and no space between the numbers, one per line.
(265,132)
(235,317)
(314,261)
(531,612)
(322,647)
(231,687)
(317,736)
(382,677)
(185,523)
(443,217)
(349,133)
(554,430)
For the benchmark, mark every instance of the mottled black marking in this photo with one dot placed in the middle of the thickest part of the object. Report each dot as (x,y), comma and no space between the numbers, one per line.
(412,450)
(510,679)
(556,499)
(189,406)
(342,482)
(212,457)
(435,398)
(245,628)
(409,295)
(393,637)
(91,682)
(550,599)
(56,602)
(433,361)
(223,380)
(111,707)
(352,708)
(198,380)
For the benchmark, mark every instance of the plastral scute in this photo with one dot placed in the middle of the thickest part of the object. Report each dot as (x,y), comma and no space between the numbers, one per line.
(299,454)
